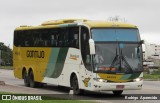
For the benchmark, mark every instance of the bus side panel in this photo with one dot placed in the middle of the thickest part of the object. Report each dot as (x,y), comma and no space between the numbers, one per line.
(74,64)
(17,63)
(33,58)
(71,64)
(17,70)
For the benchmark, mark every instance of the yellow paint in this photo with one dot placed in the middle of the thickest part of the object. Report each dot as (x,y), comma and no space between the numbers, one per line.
(85,81)
(109,24)
(112,77)
(90,23)
(73,58)
(38,65)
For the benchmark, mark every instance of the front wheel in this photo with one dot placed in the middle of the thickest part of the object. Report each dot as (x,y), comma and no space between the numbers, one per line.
(75,86)
(117,92)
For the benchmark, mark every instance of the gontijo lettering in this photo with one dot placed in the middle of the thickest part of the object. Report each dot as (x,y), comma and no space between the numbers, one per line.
(74,57)
(35,54)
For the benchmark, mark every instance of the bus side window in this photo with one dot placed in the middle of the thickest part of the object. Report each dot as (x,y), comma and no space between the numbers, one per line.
(26,43)
(73,37)
(75,42)
(53,40)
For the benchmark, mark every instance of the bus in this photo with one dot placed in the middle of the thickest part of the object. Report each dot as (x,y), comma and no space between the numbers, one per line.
(80,54)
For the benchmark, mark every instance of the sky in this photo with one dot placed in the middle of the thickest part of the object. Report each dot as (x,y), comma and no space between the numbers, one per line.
(142,13)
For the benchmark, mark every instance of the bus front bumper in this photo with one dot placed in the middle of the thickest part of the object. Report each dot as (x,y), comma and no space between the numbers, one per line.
(109,86)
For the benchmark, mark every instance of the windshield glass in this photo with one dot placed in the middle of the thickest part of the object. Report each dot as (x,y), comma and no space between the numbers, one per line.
(117,51)
(118,58)
(115,34)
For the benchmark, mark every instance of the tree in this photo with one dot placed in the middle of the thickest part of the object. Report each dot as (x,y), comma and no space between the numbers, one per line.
(6,55)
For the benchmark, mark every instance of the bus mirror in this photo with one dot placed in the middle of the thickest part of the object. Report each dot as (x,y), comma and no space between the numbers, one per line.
(92,46)
(142,42)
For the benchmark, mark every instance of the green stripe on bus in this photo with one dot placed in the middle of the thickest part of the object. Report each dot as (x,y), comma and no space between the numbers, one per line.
(52,62)
(126,76)
(135,75)
(60,62)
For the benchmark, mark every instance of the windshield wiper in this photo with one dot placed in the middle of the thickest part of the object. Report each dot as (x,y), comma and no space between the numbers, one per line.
(125,61)
(120,58)
(115,59)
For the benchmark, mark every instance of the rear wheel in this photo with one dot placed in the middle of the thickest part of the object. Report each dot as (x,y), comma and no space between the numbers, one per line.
(75,86)
(26,79)
(117,92)
(32,83)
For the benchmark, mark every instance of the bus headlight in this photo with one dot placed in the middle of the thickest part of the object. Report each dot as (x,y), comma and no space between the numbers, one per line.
(99,80)
(138,79)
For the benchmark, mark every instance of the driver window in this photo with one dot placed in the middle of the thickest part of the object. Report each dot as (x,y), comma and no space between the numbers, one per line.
(85,48)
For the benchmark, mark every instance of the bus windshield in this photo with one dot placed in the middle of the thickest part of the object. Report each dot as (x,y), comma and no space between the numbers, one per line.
(115,34)
(117,52)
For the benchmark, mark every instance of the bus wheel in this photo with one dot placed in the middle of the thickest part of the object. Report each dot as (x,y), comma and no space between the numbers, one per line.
(117,92)
(75,86)
(25,77)
(32,83)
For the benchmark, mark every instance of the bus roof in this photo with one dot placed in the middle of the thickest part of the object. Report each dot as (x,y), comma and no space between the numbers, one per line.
(71,22)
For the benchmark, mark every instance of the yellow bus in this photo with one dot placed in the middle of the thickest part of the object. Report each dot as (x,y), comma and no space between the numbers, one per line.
(81,54)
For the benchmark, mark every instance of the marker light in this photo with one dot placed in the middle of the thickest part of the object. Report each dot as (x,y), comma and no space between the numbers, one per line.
(101,68)
(108,68)
(113,69)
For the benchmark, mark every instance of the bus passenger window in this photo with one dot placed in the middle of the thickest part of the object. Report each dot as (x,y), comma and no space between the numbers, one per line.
(73,37)
(75,43)
(26,43)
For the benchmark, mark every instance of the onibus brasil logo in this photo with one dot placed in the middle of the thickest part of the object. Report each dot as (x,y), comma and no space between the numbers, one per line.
(20,97)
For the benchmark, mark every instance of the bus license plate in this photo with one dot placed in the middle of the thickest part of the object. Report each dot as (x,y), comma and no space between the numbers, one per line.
(119,86)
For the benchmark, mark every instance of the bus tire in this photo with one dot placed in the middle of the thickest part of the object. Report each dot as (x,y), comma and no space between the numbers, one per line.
(32,83)
(26,79)
(75,86)
(117,92)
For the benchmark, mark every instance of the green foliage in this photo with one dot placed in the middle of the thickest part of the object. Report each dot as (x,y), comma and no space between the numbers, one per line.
(6,55)
(156,72)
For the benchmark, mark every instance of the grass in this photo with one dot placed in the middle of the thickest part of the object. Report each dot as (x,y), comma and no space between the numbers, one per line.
(155,75)
(151,76)
(6,67)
